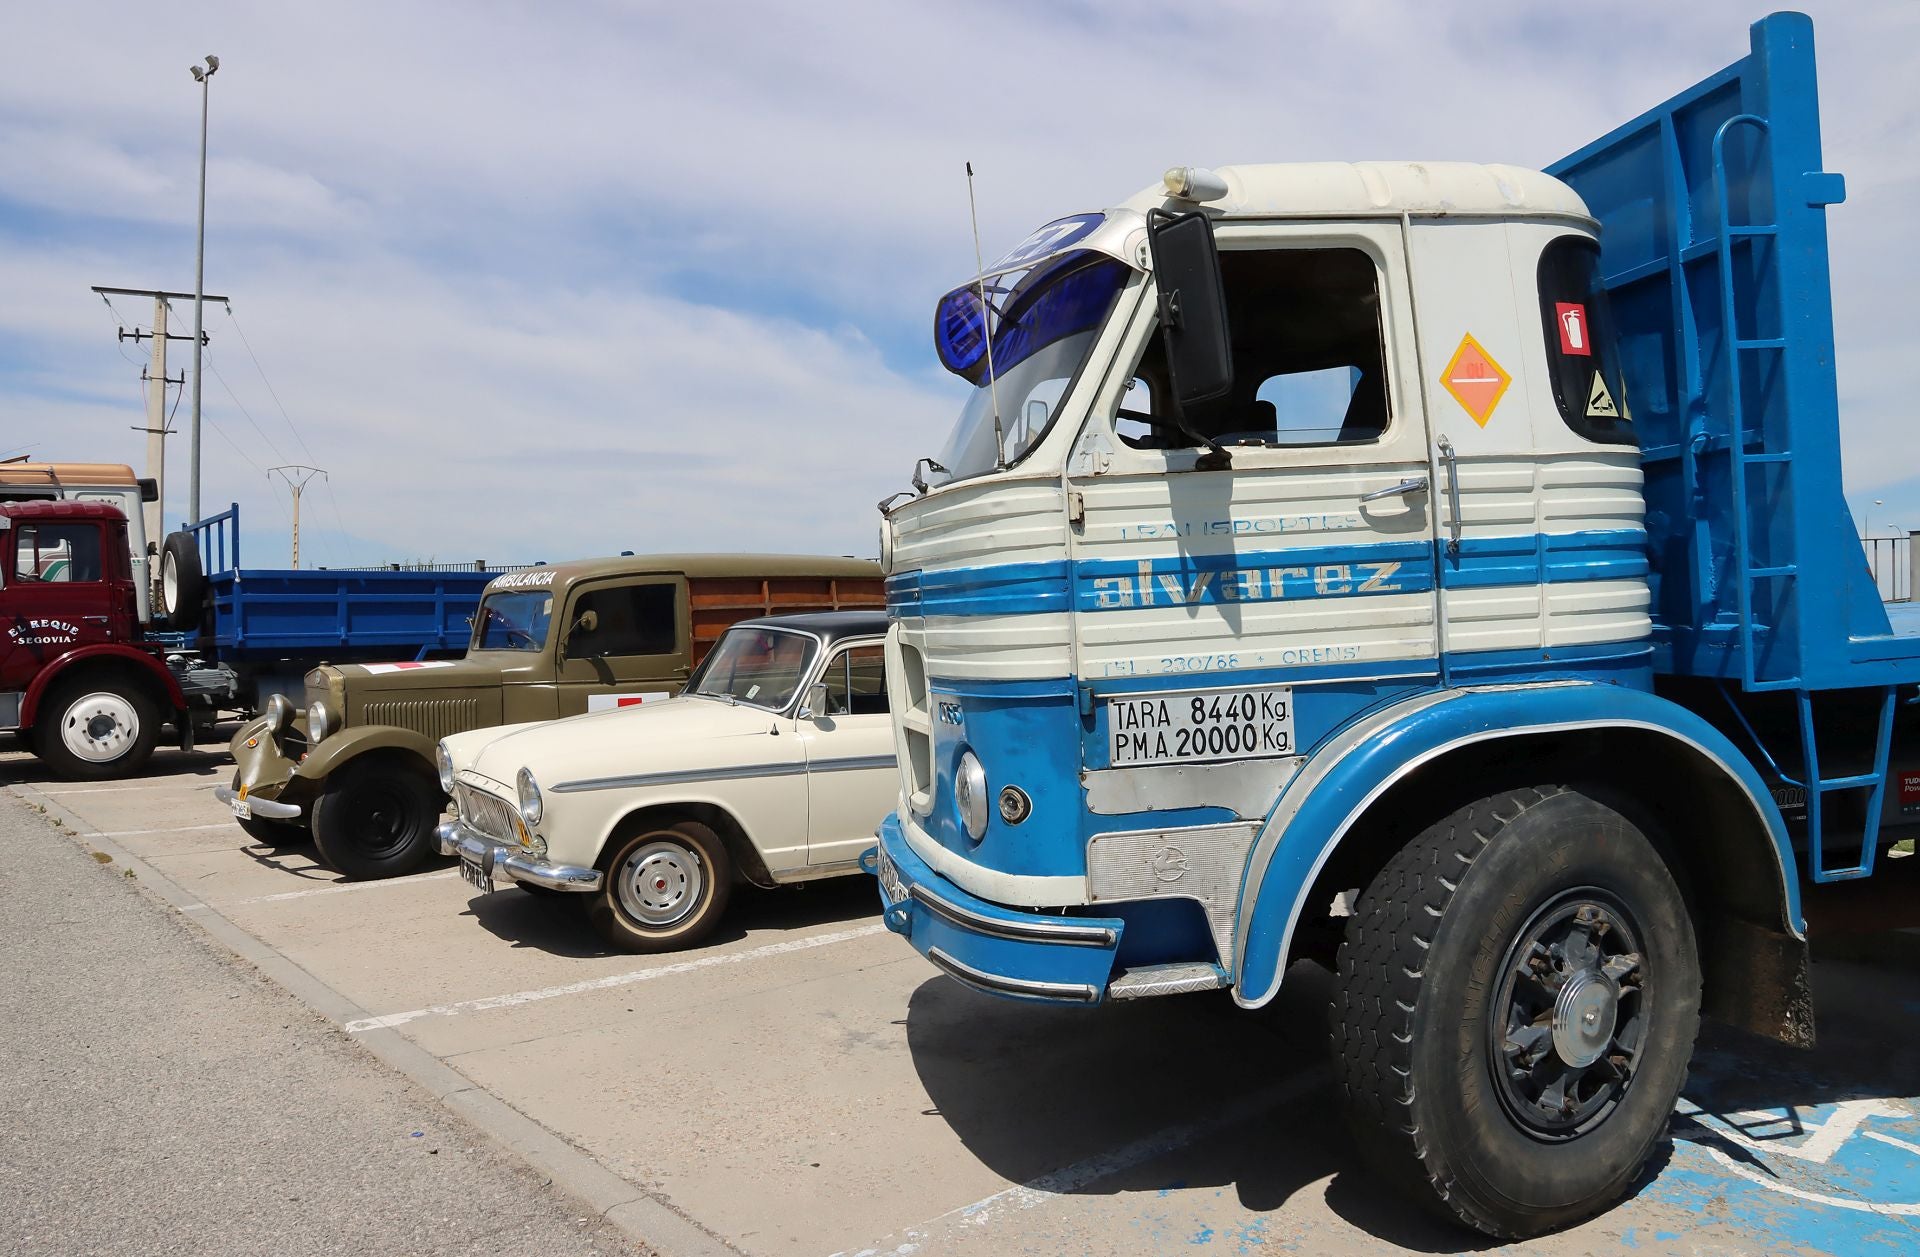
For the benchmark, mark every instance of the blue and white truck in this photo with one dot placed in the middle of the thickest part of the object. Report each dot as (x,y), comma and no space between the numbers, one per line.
(1436,571)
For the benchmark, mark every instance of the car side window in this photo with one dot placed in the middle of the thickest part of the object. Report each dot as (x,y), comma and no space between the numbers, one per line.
(55,552)
(856,681)
(632,620)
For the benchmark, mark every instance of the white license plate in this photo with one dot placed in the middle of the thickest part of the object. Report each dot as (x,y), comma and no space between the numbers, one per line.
(241,808)
(475,875)
(1198,725)
(890,882)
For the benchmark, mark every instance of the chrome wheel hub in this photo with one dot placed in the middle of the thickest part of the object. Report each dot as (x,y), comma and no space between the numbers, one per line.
(1584,1014)
(660,883)
(100,728)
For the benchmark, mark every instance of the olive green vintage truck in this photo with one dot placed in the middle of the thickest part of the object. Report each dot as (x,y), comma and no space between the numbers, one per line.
(356,769)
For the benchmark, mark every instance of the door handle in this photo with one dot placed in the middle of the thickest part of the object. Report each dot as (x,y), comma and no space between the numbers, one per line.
(1417,484)
(1453,496)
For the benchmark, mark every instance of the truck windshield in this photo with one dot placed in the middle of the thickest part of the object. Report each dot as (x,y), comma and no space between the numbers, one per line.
(759,666)
(514,620)
(1042,323)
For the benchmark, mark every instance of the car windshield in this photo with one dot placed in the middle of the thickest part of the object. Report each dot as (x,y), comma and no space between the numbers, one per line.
(1043,323)
(514,620)
(760,666)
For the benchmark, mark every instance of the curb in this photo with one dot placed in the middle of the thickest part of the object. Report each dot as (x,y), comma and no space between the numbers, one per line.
(639,1215)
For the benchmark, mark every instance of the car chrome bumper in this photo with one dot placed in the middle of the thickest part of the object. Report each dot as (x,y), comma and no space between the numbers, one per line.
(500,862)
(272,809)
(1021,954)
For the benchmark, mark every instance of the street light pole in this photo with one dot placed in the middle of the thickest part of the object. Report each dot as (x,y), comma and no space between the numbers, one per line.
(199,295)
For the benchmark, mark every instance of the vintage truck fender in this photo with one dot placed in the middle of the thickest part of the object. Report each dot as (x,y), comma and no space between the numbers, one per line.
(1333,791)
(352,742)
(86,656)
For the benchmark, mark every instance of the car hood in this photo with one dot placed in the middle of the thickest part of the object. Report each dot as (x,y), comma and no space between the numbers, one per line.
(671,734)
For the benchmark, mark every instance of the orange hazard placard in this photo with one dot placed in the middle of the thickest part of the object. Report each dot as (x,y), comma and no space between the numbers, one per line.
(1476,381)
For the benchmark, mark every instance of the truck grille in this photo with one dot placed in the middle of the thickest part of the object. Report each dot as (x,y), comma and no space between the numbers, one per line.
(910,698)
(488,813)
(434,717)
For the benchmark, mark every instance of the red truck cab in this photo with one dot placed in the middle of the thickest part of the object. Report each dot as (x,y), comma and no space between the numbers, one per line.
(78,681)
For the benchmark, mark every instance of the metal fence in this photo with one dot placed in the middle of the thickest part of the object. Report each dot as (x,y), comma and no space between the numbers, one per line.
(1890,559)
(477,565)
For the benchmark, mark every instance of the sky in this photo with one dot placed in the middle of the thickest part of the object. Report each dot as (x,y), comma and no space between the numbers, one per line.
(533,282)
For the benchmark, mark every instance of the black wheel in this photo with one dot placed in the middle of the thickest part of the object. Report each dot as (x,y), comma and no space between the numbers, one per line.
(664,888)
(1517,999)
(94,727)
(376,819)
(183,585)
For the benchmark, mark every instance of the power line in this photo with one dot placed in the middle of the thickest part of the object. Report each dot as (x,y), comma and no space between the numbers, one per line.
(243,410)
(271,391)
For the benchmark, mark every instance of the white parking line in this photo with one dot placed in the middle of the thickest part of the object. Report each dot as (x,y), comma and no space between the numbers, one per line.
(1082,1174)
(340,889)
(149,785)
(608,983)
(180,829)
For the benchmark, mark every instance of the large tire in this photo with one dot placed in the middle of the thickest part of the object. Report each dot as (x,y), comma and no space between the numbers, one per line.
(376,819)
(1516,911)
(93,727)
(664,888)
(183,585)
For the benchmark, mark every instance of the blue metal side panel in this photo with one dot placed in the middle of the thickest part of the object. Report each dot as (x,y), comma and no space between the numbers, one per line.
(1702,378)
(1284,864)
(259,613)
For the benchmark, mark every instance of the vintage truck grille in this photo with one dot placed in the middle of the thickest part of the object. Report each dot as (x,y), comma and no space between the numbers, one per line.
(488,813)
(435,717)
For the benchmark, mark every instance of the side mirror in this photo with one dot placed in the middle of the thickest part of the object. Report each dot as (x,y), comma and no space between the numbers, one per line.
(815,704)
(586,622)
(1193,306)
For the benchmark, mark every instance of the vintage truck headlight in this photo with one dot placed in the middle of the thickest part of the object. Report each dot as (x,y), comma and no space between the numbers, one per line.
(970,794)
(529,797)
(320,721)
(443,760)
(279,713)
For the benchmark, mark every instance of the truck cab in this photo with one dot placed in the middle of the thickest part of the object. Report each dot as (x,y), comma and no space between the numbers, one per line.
(1431,570)
(111,483)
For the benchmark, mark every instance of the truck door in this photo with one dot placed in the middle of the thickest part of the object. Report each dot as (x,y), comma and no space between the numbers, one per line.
(851,780)
(56,594)
(625,642)
(1310,561)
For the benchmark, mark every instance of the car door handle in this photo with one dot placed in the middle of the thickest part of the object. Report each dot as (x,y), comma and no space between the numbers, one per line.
(1417,484)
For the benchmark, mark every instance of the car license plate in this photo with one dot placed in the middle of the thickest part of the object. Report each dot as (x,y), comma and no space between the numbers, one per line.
(890,883)
(241,807)
(475,875)
(1198,725)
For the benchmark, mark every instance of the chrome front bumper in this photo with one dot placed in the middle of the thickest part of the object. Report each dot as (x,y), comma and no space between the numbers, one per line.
(500,862)
(272,809)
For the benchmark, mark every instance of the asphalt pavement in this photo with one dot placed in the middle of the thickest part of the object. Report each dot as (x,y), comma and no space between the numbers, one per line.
(159,1096)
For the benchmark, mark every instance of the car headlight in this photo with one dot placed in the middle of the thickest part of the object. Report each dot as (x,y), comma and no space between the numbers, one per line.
(970,794)
(279,713)
(320,720)
(529,796)
(443,760)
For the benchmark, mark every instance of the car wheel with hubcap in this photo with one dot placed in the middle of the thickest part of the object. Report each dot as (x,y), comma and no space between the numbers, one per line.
(96,727)
(664,887)
(1517,999)
(376,819)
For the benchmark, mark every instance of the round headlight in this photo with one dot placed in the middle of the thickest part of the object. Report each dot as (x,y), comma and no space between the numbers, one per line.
(444,762)
(529,796)
(970,794)
(279,713)
(320,720)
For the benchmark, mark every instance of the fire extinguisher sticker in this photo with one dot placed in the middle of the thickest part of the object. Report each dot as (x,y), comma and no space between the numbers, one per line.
(1575,337)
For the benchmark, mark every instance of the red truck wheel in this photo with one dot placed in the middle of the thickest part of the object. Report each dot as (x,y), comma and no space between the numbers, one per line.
(92,728)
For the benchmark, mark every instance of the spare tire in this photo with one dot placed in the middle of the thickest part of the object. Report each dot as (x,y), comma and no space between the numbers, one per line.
(183,585)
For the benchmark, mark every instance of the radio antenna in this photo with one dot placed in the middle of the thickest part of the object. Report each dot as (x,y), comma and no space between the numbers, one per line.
(986,329)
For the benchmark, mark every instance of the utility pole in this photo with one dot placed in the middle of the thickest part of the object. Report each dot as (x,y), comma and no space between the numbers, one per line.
(157,381)
(296,475)
(199,296)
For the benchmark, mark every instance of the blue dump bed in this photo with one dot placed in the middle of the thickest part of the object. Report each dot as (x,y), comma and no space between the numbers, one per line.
(1714,242)
(261,614)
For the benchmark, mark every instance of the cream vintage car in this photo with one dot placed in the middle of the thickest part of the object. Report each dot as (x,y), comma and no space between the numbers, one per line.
(774,765)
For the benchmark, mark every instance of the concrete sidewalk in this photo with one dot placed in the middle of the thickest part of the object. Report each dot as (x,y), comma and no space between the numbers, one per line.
(160,1097)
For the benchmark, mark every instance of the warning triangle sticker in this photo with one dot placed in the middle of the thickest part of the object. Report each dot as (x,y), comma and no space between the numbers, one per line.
(1600,401)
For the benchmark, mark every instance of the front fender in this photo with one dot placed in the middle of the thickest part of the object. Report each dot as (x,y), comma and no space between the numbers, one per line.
(97,653)
(1325,799)
(350,743)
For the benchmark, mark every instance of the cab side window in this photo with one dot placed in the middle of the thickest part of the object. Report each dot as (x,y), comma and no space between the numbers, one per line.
(856,681)
(55,552)
(1583,359)
(633,620)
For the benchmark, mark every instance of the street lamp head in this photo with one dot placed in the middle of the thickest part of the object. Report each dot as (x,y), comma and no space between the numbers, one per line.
(213,63)
(199,75)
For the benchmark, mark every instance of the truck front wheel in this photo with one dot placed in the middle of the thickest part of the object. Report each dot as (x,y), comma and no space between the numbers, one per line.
(1518,995)
(376,819)
(92,728)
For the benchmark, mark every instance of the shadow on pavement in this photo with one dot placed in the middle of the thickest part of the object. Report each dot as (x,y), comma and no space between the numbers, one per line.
(1203,1087)
(553,924)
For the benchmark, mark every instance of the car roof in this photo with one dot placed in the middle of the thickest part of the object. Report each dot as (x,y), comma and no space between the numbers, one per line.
(694,567)
(828,626)
(60,510)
